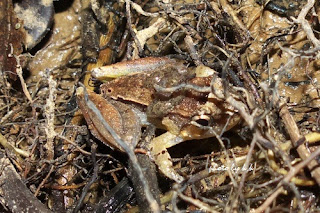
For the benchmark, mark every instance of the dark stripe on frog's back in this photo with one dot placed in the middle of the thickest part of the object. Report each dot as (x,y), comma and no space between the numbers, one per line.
(139,88)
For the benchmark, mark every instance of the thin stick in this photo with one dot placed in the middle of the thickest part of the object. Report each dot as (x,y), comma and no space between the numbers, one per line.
(92,179)
(49,113)
(132,157)
(19,73)
(44,181)
(305,24)
(294,134)
(193,52)
(293,172)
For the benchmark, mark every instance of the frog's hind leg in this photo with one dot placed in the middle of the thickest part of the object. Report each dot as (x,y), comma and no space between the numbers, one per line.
(162,158)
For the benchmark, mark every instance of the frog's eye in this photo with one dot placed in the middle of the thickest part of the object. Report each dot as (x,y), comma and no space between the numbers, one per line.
(202,120)
(109,90)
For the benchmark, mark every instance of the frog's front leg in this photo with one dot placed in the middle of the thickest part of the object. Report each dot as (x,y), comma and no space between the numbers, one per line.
(158,149)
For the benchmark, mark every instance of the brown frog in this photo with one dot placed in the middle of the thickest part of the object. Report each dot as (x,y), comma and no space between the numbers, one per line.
(172,96)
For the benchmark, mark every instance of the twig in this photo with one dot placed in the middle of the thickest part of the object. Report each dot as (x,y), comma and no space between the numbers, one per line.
(7,145)
(132,32)
(244,173)
(84,152)
(198,203)
(294,171)
(294,134)
(305,24)
(44,181)
(140,10)
(19,73)
(49,113)
(129,151)
(193,52)
(67,187)
(92,179)
(248,81)
(229,10)
(143,35)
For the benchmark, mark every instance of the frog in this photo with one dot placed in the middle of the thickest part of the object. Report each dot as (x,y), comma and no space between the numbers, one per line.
(187,102)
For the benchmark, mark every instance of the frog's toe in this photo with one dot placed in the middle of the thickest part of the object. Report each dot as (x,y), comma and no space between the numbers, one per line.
(162,158)
(164,163)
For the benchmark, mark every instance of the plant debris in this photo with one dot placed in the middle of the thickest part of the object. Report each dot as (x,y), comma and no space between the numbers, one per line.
(225,93)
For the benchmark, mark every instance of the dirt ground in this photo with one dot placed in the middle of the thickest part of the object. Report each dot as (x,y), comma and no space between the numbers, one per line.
(208,106)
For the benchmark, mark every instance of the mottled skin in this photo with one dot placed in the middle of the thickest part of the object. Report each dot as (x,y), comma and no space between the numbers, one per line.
(185,113)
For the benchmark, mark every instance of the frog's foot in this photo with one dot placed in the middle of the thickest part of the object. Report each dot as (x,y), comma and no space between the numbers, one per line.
(162,158)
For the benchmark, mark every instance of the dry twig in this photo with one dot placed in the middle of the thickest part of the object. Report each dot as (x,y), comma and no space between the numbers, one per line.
(49,112)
